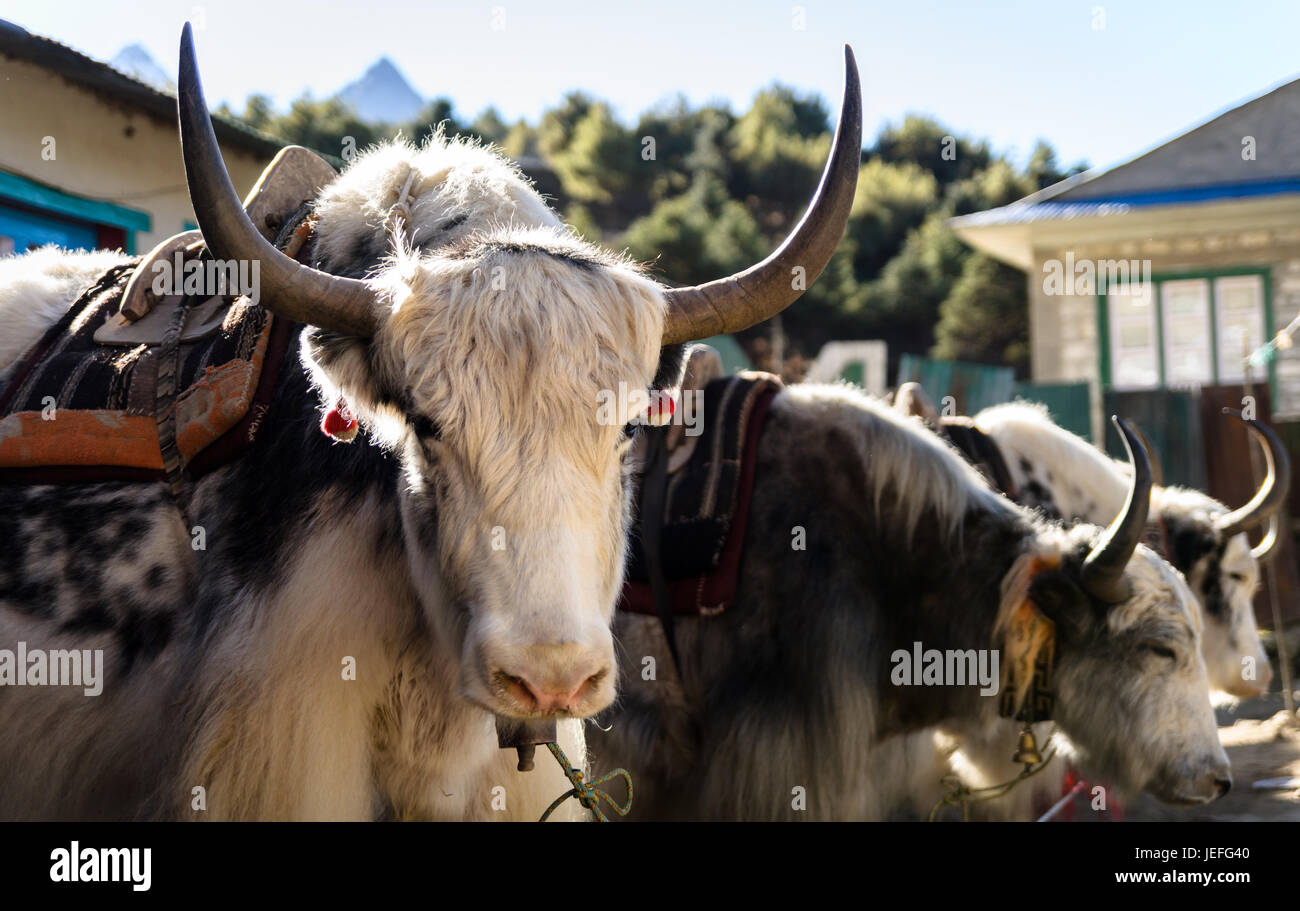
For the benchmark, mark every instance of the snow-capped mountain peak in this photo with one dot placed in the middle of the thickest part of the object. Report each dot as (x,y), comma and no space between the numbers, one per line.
(135,61)
(382,95)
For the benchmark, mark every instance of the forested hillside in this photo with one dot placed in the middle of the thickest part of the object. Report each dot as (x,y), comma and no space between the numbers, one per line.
(702,192)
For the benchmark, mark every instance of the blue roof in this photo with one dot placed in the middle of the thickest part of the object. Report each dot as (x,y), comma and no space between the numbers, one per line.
(1026,210)
(1207,163)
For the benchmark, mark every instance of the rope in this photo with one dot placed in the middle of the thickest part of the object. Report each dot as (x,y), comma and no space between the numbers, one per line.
(587,792)
(963,796)
(398,222)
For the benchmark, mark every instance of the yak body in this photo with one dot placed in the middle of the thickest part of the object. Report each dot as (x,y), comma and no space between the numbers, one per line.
(228,626)
(785,697)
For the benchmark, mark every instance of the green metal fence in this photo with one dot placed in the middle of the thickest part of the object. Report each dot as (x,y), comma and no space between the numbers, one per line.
(974,387)
(1171,420)
(1069,404)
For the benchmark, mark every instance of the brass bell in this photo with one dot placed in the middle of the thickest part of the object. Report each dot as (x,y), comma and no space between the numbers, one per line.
(1028,751)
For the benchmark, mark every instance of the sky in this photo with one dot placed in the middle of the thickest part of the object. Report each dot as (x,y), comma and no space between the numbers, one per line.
(1101,81)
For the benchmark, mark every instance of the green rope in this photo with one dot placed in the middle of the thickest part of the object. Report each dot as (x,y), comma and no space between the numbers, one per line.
(963,796)
(586,791)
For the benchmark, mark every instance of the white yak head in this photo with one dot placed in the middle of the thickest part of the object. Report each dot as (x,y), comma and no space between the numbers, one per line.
(477,343)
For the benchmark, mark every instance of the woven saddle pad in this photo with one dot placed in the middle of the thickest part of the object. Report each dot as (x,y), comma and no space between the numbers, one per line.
(77,410)
(706,509)
(126,387)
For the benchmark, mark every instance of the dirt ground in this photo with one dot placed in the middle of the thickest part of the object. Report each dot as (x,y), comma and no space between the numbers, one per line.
(1262,742)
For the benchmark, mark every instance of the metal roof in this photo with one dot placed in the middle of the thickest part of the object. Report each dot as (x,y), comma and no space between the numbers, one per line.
(1206,163)
(1025,211)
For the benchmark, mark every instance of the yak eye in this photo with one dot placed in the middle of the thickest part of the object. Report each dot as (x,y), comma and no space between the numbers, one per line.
(1161,650)
(1236,577)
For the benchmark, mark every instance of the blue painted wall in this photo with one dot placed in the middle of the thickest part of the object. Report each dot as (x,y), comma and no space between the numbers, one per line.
(28,229)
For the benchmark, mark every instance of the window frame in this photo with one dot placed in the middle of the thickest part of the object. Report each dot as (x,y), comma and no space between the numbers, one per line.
(1263,272)
(1156,342)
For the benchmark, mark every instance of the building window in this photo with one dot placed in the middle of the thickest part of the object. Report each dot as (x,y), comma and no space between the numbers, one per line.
(1133,335)
(1239,303)
(1185,309)
(1184,331)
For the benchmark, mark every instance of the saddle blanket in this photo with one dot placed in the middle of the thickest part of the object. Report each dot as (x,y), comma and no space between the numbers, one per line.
(706,507)
(77,411)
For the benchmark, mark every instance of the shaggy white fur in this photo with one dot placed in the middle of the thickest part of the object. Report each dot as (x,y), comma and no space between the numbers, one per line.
(36,289)
(460,189)
(916,470)
(499,328)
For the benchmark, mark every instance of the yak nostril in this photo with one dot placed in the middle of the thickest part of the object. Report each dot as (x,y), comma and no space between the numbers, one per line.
(556,697)
(518,688)
(589,684)
(1224,785)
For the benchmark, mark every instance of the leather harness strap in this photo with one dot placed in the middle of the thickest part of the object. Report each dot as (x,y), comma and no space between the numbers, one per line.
(654,491)
(295,238)
(169,365)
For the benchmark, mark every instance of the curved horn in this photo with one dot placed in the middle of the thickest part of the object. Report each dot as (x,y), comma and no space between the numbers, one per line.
(1266,549)
(764,290)
(1157,471)
(1103,570)
(1272,493)
(912,399)
(288,289)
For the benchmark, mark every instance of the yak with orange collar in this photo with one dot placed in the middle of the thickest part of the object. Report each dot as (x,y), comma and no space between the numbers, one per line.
(1043,466)
(866,534)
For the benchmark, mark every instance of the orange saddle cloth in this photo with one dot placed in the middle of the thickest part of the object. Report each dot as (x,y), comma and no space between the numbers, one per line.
(76,410)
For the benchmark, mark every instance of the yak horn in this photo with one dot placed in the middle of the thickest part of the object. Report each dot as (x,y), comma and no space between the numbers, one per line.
(288,289)
(1266,549)
(1103,570)
(764,290)
(1157,471)
(1272,493)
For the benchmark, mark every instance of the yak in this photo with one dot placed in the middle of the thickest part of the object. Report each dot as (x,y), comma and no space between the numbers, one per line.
(463,554)
(1062,475)
(784,699)
(1204,539)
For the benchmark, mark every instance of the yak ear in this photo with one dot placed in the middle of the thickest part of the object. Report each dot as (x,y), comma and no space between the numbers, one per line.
(1063,602)
(672,364)
(344,365)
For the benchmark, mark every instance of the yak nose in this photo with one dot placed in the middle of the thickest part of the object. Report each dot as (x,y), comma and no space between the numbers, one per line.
(1221,776)
(552,697)
(553,679)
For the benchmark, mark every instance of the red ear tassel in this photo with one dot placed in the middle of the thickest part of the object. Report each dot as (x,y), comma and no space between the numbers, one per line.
(340,423)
